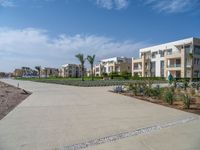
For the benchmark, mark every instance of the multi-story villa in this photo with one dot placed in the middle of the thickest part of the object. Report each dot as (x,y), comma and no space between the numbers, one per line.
(70,70)
(176,58)
(24,72)
(50,72)
(116,64)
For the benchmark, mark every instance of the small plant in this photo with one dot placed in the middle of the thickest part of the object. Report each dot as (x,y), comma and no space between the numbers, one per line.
(178,90)
(192,91)
(147,91)
(169,97)
(185,85)
(134,89)
(172,89)
(198,85)
(175,83)
(186,101)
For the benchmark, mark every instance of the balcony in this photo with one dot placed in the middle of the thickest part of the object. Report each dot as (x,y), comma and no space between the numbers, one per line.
(188,64)
(137,68)
(147,57)
(173,54)
(174,66)
(138,60)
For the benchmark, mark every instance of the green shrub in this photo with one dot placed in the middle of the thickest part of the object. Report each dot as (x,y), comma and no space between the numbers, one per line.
(135,92)
(104,74)
(185,84)
(192,91)
(136,77)
(168,97)
(198,85)
(157,92)
(186,101)
(125,75)
(148,91)
(113,74)
(172,89)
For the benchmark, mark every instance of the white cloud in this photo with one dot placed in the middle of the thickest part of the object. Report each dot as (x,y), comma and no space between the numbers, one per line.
(30,47)
(172,6)
(113,4)
(7,3)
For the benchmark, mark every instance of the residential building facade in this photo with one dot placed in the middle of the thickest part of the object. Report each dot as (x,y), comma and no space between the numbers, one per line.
(49,72)
(115,64)
(24,72)
(176,58)
(70,70)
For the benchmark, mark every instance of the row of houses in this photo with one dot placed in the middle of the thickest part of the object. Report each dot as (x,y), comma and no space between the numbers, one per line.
(68,70)
(116,64)
(180,58)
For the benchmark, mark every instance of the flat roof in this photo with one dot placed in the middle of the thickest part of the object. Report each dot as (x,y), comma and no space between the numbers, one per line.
(161,46)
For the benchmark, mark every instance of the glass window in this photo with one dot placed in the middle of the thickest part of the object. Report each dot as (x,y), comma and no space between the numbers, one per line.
(161,53)
(187,48)
(162,64)
(169,51)
(197,50)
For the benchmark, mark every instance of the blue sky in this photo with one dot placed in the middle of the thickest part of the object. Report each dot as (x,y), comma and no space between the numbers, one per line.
(51,32)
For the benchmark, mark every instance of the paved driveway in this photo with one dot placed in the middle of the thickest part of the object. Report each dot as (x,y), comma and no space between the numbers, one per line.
(57,116)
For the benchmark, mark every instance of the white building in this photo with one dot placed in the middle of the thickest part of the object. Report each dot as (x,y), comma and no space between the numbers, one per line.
(115,64)
(170,58)
(70,70)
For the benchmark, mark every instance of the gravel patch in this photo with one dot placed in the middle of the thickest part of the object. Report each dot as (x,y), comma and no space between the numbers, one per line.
(10,97)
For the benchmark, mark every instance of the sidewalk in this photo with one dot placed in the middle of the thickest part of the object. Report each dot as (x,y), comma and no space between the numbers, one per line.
(55,116)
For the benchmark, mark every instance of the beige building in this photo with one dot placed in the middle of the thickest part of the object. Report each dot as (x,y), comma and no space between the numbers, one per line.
(170,58)
(24,72)
(70,70)
(49,72)
(18,73)
(116,64)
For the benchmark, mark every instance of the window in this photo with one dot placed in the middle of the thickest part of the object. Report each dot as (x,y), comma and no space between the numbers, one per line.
(187,48)
(153,65)
(162,54)
(195,61)
(162,64)
(178,61)
(169,51)
(136,66)
(154,54)
(197,50)
(97,69)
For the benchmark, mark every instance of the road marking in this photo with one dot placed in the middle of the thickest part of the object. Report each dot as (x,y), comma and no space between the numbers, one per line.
(123,135)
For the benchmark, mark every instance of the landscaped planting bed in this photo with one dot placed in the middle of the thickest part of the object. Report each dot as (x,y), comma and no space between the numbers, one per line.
(89,83)
(86,83)
(182,98)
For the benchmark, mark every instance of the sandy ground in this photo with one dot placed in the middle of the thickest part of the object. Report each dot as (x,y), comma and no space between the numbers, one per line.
(10,97)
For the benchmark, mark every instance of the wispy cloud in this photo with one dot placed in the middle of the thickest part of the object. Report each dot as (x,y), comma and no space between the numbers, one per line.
(113,4)
(7,3)
(172,6)
(32,47)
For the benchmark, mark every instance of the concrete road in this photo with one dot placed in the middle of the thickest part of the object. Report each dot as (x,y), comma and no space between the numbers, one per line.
(57,116)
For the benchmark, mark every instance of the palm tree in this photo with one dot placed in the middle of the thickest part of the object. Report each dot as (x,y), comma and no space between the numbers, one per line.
(82,61)
(38,68)
(91,61)
(192,66)
(46,71)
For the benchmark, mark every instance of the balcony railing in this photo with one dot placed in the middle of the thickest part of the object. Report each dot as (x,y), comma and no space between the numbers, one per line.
(137,68)
(172,53)
(174,65)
